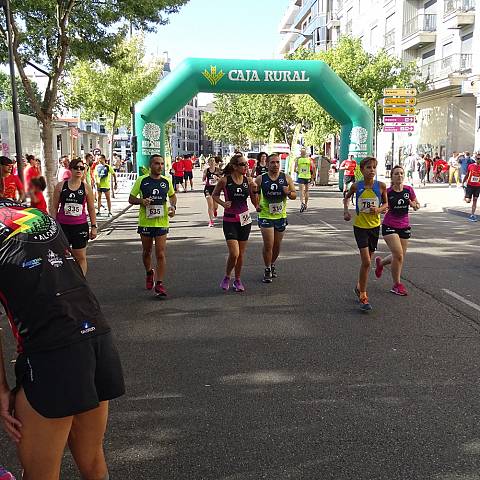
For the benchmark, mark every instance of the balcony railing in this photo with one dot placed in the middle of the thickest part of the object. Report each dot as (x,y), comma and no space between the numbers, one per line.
(420,23)
(461,6)
(458,63)
(390,38)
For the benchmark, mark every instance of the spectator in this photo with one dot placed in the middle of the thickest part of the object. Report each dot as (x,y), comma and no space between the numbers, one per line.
(464,161)
(428,166)
(410,165)
(188,171)
(64,172)
(36,188)
(453,169)
(13,187)
(32,169)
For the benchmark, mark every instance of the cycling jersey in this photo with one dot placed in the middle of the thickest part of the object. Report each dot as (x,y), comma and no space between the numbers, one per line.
(35,260)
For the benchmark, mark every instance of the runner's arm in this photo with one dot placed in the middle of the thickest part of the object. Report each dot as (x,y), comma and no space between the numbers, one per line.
(295,167)
(91,211)
(56,199)
(218,189)
(204,176)
(292,192)
(384,207)
(114,178)
(254,188)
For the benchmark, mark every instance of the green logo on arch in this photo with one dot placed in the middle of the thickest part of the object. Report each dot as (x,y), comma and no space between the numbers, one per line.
(213,76)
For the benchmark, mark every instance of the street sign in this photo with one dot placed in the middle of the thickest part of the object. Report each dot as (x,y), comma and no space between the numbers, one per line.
(400,101)
(96,151)
(398,128)
(399,110)
(399,119)
(399,92)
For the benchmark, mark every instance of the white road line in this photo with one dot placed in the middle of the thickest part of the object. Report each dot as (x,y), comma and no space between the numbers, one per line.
(328,225)
(462,299)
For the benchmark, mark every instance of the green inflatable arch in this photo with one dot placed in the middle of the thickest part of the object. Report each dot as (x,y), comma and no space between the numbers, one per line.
(311,77)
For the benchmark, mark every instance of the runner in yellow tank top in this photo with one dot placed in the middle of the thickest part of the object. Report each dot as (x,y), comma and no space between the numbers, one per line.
(371,202)
(305,175)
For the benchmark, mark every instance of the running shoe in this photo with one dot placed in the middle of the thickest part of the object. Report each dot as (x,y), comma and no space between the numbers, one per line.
(364,305)
(274,271)
(267,276)
(160,290)
(303,207)
(211,224)
(225,285)
(110,214)
(472,218)
(150,280)
(238,285)
(357,291)
(5,474)
(378,267)
(399,289)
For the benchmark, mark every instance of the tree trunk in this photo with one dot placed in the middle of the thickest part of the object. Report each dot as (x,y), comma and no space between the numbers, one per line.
(112,134)
(49,169)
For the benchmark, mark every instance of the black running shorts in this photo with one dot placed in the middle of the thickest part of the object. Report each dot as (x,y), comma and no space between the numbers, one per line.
(188,175)
(472,191)
(234,231)
(77,235)
(208,190)
(404,233)
(71,380)
(367,237)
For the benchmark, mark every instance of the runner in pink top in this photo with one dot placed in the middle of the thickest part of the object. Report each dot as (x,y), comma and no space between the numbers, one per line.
(396,229)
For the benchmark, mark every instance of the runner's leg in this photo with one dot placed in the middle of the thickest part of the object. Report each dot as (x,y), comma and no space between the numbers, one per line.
(365,257)
(278,237)
(99,201)
(242,246)
(268,241)
(160,247)
(474,204)
(43,441)
(307,188)
(210,207)
(395,245)
(109,201)
(147,244)
(302,193)
(86,442)
(233,253)
(80,255)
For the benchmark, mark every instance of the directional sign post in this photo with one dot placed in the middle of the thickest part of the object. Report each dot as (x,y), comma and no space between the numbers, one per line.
(399,119)
(399,92)
(398,128)
(398,110)
(400,101)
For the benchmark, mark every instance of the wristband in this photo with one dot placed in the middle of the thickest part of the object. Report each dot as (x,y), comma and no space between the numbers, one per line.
(93,225)
(174,207)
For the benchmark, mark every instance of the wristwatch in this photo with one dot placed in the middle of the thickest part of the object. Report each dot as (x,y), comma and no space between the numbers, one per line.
(93,225)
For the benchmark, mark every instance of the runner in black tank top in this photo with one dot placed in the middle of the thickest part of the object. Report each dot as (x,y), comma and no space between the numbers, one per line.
(211,176)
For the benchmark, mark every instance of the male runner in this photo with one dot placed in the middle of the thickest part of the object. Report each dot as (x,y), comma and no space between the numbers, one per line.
(274,188)
(472,179)
(349,166)
(306,173)
(187,171)
(154,190)
(103,175)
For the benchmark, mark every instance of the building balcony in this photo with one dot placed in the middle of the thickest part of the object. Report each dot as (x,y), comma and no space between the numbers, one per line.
(458,13)
(288,18)
(456,65)
(303,12)
(390,39)
(419,31)
(332,20)
(348,28)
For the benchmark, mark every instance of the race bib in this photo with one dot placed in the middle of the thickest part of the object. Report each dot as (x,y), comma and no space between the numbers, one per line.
(245,219)
(155,211)
(304,171)
(212,181)
(275,208)
(475,179)
(367,203)
(73,209)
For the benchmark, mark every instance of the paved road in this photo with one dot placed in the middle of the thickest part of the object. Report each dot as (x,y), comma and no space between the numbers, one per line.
(290,380)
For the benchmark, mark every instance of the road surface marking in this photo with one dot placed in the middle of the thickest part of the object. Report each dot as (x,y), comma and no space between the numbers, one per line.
(462,299)
(328,225)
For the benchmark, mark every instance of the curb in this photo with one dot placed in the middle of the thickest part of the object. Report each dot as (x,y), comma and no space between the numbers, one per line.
(108,222)
(453,211)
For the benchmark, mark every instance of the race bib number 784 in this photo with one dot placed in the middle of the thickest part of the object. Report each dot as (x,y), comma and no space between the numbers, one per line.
(367,203)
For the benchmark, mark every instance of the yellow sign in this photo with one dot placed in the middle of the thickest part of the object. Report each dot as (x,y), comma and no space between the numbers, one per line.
(398,110)
(212,76)
(400,101)
(399,92)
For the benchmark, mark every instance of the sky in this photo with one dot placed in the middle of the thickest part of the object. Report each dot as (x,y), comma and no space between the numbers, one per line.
(221,29)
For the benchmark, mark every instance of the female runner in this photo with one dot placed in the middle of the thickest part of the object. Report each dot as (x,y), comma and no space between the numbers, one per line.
(211,175)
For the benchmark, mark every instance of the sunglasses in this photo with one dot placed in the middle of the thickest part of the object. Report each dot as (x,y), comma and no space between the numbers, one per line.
(81,169)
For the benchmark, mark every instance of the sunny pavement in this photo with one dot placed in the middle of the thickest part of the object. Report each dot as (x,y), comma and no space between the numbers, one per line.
(291,380)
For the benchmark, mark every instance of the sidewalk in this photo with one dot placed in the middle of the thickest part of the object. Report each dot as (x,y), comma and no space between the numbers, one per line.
(119,206)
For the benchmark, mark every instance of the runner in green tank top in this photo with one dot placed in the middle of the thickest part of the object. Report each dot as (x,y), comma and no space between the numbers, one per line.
(305,175)
(272,189)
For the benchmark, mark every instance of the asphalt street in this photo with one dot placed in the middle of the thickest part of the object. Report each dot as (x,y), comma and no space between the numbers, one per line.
(291,380)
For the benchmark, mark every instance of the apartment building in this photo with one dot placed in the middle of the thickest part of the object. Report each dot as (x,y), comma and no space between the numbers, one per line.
(441,36)
(185,130)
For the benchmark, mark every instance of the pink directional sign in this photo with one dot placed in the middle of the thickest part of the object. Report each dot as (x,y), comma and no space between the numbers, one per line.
(398,119)
(398,128)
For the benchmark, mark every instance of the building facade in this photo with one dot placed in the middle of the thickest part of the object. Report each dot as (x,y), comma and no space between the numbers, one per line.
(441,36)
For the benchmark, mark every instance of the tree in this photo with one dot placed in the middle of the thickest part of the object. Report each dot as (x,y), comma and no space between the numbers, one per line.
(51,34)
(366,74)
(23,102)
(108,90)
(225,123)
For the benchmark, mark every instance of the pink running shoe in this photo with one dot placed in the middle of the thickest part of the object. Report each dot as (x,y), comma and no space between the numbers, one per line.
(238,285)
(225,285)
(150,280)
(5,474)
(399,289)
(160,290)
(378,267)
(211,224)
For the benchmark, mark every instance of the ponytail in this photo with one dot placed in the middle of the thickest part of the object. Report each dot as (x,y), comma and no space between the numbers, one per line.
(228,170)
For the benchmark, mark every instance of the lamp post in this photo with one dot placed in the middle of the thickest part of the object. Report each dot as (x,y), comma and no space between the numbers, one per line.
(16,116)
(308,36)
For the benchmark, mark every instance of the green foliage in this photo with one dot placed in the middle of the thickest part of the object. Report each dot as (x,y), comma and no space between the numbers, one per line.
(107,91)
(6,95)
(366,74)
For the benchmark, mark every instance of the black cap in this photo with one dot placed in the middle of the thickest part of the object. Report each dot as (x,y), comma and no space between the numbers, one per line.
(5,161)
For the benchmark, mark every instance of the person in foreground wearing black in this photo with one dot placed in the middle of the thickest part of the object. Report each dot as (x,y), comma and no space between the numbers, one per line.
(67,367)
